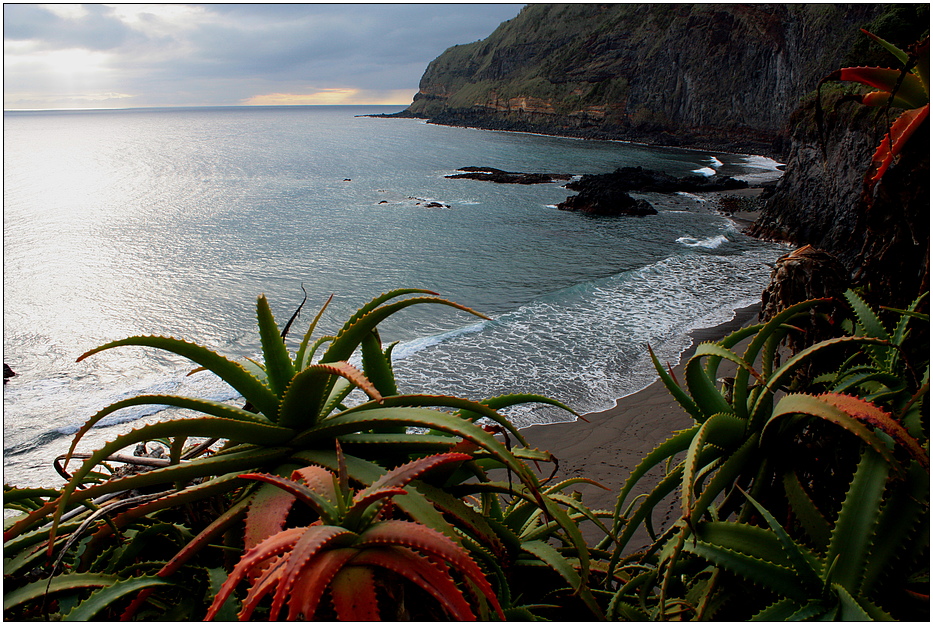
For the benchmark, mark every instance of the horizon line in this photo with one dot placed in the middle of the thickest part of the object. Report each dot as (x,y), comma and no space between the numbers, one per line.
(184,106)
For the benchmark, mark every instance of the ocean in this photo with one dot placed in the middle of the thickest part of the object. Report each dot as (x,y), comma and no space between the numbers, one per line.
(173,221)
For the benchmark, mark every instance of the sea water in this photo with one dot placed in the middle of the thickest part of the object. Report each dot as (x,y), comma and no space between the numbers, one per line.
(173,221)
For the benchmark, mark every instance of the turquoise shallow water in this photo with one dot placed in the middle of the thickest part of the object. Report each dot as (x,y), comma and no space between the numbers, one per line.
(172,221)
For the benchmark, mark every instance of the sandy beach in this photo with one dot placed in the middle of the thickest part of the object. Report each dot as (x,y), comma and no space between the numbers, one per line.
(609,444)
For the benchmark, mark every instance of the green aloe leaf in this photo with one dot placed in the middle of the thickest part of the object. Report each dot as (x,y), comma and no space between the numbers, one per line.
(682,397)
(804,562)
(724,431)
(105,596)
(278,363)
(303,402)
(855,415)
(810,517)
(233,373)
(377,365)
(68,581)
(468,410)
(852,535)
(677,443)
(211,465)
(215,409)
(899,54)
(349,338)
(303,346)
(351,422)
(751,552)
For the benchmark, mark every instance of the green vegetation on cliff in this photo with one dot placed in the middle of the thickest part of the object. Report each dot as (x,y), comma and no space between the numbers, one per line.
(725,75)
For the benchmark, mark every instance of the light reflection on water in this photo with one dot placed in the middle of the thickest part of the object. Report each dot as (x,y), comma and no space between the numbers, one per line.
(173,221)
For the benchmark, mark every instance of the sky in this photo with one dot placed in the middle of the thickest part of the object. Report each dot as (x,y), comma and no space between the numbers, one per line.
(138,55)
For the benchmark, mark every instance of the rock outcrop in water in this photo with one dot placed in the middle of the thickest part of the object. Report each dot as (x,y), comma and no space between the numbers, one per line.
(491,174)
(607,194)
(723,75)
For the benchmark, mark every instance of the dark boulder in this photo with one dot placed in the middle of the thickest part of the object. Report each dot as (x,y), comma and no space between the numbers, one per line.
(608,202)
(641,179)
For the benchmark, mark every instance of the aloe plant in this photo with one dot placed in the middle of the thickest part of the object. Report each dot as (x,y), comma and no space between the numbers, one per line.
(741,440)
(349,548)
(906,88)
(293,415)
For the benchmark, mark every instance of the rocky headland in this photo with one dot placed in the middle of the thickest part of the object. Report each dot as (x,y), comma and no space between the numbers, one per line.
(729,77)
(722,76)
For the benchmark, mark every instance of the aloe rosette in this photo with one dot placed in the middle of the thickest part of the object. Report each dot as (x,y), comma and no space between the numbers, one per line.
(349,548)
(293,414)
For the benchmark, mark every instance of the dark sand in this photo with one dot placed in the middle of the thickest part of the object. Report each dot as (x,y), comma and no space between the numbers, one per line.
(611,443)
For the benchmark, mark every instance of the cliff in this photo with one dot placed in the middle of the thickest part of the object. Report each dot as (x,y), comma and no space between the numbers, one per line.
(724,76)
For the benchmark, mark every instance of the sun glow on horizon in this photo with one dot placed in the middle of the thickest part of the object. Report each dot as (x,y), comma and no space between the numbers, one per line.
(343,96)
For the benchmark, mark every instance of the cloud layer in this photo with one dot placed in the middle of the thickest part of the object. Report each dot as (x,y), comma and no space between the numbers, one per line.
(190,55)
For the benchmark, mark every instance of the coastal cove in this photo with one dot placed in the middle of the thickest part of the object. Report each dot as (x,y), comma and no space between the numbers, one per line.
(171,222)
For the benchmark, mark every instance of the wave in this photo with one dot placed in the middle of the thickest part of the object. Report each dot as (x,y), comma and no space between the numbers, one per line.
(586,345)
(708,243)
(705,171)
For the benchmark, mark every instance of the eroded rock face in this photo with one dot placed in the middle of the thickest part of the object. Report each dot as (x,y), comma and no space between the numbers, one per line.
(691,74)
(882,241)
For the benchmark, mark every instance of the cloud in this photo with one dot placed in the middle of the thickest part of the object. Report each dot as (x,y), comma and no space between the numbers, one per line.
(227,54)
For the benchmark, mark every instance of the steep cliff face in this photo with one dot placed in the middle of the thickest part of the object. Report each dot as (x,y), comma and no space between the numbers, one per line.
(723,75)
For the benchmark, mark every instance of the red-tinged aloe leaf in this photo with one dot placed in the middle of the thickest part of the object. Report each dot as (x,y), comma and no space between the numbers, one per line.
(302,403)
(868,413)
(308,589)
(310,497)
(269,548)
(268,508)
(233,373)
(424,539)
(911,89)
(360,512)
(314,541)
(883,98)
(678,393)
(409,471)
(826,408)
(892,144)
(354,594)
(429,576)
(266,579)
(277,362)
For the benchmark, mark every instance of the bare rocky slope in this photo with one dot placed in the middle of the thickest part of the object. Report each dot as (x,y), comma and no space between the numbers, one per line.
(725,76)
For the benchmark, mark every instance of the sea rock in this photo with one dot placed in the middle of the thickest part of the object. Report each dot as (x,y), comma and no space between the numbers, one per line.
(7,372)
(491,174)
(607,202)
(641,179)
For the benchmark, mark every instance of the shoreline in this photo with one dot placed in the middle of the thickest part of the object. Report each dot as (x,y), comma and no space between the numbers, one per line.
(610,443)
